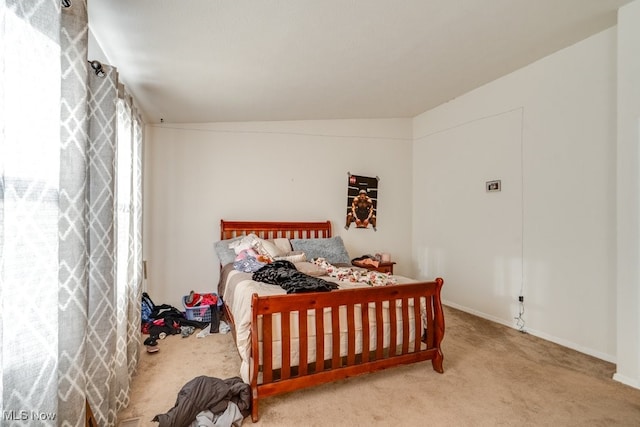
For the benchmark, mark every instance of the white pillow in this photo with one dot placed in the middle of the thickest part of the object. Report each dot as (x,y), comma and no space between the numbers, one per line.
(295,256)
(243,243)
(283,244)
(271,248)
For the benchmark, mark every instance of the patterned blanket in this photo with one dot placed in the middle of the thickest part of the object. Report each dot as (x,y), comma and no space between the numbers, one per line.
(370,277)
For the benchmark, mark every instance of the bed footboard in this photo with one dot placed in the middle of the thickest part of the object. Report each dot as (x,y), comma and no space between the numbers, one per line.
(415,329)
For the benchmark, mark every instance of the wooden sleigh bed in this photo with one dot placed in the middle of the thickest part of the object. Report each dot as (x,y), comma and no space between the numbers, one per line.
(298,340)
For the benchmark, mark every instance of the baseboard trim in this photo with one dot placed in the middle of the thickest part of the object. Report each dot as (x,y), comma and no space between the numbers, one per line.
(626,380)
(573,346)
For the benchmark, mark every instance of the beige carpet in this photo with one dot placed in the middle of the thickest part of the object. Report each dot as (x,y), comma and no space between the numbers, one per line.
(494,376)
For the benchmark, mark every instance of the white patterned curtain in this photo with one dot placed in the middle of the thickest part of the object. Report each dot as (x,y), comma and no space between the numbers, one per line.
(70,222)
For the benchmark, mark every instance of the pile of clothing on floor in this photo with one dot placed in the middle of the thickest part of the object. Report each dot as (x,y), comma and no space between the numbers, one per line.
(195,299)
(161,320)
(213,303)
(207,402)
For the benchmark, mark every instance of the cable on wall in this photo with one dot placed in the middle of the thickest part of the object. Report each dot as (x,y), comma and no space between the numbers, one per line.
(520,317)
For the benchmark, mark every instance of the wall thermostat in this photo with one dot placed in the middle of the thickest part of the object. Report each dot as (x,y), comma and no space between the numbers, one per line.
(493,186)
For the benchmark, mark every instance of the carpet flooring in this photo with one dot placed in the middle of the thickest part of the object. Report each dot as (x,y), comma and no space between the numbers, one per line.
(494,376)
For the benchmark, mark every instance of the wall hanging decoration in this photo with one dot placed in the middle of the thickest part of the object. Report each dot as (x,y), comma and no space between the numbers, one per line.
(362,201)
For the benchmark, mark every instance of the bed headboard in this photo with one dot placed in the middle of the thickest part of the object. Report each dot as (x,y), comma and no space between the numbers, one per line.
(273,229)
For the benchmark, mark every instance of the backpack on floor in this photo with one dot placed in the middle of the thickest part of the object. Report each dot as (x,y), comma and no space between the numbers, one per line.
(148,307)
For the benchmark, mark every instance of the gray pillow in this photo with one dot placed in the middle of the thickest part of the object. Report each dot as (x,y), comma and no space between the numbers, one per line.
(331,249)
(226,255)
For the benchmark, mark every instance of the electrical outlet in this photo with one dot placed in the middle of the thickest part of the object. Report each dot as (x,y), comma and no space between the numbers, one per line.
(521,298)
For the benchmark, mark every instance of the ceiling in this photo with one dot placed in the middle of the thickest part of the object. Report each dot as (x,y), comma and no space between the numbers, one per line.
(241,60)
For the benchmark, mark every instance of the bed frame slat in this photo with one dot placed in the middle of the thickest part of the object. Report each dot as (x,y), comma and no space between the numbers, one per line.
(267,339)
(335,336)
(405,325)
(285,325)
(351,336)
(303,340)
(393,327)
(417,320)
(379,330)
(430,328)
(366,328)
(319,339)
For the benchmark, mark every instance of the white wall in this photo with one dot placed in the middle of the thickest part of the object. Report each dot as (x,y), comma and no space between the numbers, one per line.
(468,236)
(196,175)
(628,202)
(548,132)
(94,50)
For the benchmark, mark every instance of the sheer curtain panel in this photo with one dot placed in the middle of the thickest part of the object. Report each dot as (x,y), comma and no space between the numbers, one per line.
(70,221)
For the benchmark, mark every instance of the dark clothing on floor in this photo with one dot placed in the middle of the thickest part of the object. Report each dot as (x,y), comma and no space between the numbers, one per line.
(206,393)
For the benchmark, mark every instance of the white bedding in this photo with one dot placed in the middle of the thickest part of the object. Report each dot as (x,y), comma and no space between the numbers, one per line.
(239,290)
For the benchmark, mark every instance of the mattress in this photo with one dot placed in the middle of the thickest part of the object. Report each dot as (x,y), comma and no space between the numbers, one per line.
(237,289)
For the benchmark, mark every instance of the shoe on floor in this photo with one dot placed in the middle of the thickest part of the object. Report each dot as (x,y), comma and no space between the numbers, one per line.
(190,298)
(194,299)
(186,331)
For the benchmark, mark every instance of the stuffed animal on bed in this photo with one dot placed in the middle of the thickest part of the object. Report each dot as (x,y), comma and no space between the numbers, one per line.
(250,245)
(250,252)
